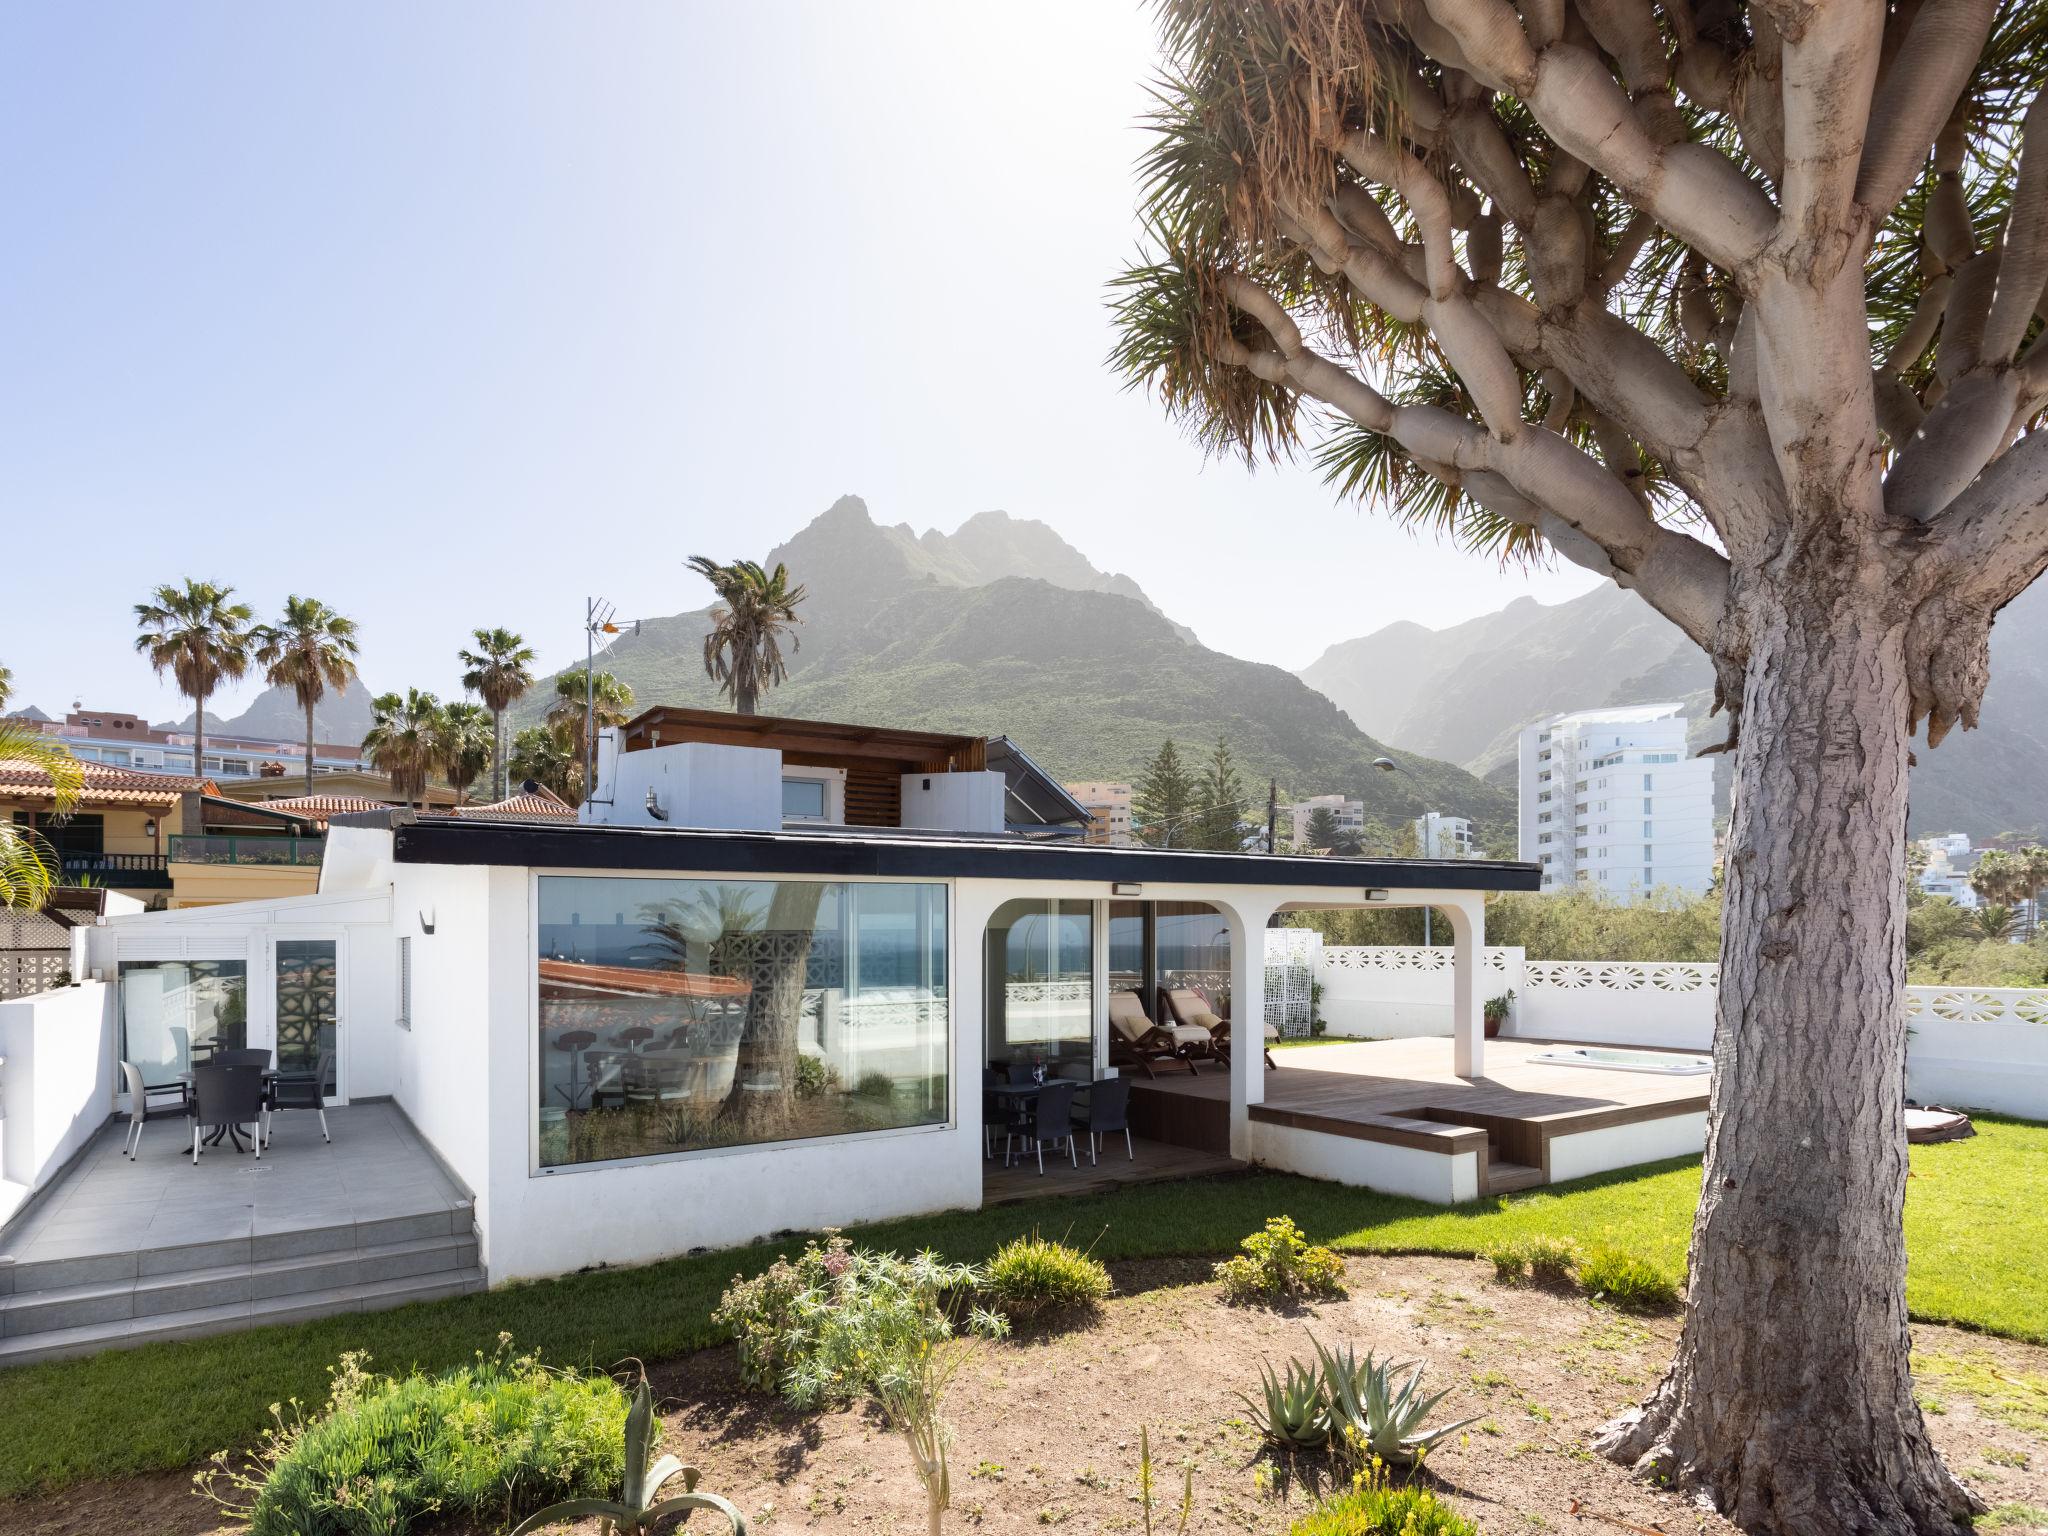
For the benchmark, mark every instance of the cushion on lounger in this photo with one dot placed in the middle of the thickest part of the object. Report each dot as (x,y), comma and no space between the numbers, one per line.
(1204,1018)
(1189,1034)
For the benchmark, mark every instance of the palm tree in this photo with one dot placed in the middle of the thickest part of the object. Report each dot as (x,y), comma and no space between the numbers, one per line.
(1997,877)
(547,755)
(611,704)
(466,745)
(1994,922)
(26,876)
(405,740)
(756,608)
(6,686)
(500,670)
(311,650)
(194,633)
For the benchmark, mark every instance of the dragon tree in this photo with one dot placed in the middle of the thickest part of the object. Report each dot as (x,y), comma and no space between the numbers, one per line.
(1737,303)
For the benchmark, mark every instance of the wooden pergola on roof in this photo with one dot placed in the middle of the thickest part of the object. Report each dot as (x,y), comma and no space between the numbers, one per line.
(874,758)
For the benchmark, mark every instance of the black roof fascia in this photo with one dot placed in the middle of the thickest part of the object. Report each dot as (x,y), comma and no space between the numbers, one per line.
(542,845)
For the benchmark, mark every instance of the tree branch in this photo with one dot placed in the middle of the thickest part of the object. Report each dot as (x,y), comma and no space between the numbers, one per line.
(1993,539)
(1918,95)
(1828,70)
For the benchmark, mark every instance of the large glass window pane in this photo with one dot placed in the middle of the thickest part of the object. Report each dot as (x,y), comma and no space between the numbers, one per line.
(1193,950)
(1041,972)
(679,1015)
(175,1012)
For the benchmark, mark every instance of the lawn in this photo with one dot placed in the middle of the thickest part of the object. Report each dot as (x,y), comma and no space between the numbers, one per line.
(1971,1224)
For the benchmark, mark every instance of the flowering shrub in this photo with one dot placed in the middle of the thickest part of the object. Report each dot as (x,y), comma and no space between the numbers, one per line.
(1279,1263)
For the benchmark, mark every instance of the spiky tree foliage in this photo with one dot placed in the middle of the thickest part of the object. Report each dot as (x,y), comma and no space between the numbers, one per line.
(756,609)
(309,650)
(463,745)
(605,699)
(1321,831)
(1734,301)
(405,740)
(195,633)
(498,671)
(6,686)
(1163,802)
(548,755)
(1223,801)
(27,870)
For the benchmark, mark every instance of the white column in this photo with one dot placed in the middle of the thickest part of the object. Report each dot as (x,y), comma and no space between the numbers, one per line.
(1247,1013)
(1467,911)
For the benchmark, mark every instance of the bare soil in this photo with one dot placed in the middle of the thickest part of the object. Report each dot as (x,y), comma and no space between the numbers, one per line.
(1046,1424)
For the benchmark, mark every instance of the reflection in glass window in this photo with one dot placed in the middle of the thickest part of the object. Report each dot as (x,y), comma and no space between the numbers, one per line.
(803,799)
(680,1015)
(1194,950)
(1041,983)
(175,1012)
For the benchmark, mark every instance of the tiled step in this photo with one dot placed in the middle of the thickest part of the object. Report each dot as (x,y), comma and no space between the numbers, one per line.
(198,1322)
(1506,1178)
(42,1310)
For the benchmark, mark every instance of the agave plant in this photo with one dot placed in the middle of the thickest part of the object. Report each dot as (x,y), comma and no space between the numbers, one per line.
(1296,1412)
(1387,1419)
(641,1504)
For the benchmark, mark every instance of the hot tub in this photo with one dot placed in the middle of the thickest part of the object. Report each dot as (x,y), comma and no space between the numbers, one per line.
(1622,1058)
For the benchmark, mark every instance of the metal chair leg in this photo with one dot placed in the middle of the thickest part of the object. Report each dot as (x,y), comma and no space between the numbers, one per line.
(195,1143)
(323,1124)
(1130,1149)
(1039,1147)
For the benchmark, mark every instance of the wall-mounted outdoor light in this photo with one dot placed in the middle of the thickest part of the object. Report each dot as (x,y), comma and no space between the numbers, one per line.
(1125,888)
(1374,893)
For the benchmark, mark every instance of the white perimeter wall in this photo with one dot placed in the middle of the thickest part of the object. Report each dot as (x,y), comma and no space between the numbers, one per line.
(1971,1047)
(56,1083)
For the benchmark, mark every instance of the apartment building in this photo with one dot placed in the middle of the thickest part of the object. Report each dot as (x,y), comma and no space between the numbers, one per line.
(1438,836)
(1109,813)
(1349,816)
(1612,800)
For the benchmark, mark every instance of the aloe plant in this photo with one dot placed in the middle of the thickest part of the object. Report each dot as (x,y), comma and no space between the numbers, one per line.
(1365,1401)
(641,1504)
(1295,1413)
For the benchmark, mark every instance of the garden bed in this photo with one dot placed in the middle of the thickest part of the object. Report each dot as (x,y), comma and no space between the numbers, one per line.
(1047,1423)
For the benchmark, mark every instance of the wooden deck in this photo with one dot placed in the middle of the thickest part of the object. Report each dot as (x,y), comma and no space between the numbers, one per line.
(1403,1092)
(1155,1161)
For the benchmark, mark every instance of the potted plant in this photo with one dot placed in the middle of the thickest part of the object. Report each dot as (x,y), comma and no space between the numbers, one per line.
(1495,1010)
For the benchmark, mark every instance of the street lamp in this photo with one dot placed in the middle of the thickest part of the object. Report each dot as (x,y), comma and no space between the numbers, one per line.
(1388,765)
(599,619)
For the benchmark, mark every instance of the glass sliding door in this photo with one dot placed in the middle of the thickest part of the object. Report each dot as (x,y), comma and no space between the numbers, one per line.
(176,1012)
(307,1008)
(1041,984)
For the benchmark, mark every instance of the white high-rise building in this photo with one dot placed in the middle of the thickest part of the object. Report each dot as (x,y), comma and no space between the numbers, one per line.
(1438,836)
(1612,800)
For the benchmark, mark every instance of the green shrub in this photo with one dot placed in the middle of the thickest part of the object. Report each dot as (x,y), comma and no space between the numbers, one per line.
(1033,1277)
(1292,1412)
(1377,1508)
(1548,1260)
(815,1077)
(1631,1283)
(1279,1264)
(486,1441)
(818,1329)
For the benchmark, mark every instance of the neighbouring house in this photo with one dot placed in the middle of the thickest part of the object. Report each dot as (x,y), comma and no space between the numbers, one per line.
(123,740)
(1950,858)
(780,974)
(120,832)
(1348,816)
(1438,836)
(339,784)
(1109,812)
(1612,800)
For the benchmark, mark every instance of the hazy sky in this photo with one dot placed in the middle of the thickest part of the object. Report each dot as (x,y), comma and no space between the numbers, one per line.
(449,314)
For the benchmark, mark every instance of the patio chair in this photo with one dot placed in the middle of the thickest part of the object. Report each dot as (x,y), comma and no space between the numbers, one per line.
(1135,1041)
(141,1110)
(1107,1112)
(999,1112)
(1048,1117)
(1187,1006)
(252,1057)
(300,1090)
(229,1097)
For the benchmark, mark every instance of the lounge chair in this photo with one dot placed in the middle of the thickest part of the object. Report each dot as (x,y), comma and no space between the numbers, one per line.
(1186,1006)
(1135,1041)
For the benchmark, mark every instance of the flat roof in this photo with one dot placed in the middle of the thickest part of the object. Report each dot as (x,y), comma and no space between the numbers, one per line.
(426,838)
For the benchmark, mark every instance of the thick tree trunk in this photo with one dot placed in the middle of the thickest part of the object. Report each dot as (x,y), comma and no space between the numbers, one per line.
(1790,1405)
(775,961)
(500,781)
(309,747)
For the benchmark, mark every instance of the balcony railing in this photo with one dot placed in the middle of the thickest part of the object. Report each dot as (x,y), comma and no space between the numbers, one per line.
(136,871)
(217,848)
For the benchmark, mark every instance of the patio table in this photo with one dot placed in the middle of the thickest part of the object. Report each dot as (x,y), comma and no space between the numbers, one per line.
(235,1131)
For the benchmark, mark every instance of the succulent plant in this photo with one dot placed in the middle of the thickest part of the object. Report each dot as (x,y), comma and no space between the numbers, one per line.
(640,1504)
(1364,1400)
(1295,1413)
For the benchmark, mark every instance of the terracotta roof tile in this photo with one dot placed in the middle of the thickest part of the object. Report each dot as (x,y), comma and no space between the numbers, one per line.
(318,808)
(525,806)
(106,784)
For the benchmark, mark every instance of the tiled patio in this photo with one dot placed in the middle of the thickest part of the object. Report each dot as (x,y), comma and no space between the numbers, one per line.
(121,1252)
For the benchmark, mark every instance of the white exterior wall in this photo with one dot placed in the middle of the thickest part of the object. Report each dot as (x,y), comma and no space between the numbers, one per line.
(1443,1178)
(1624,1146)
(1395,992)
(697,784)
(56,1083)
(360,921)
(1675,800)
(953,802)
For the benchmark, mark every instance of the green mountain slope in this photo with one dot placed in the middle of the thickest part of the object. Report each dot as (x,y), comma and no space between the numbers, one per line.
(1079,669)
